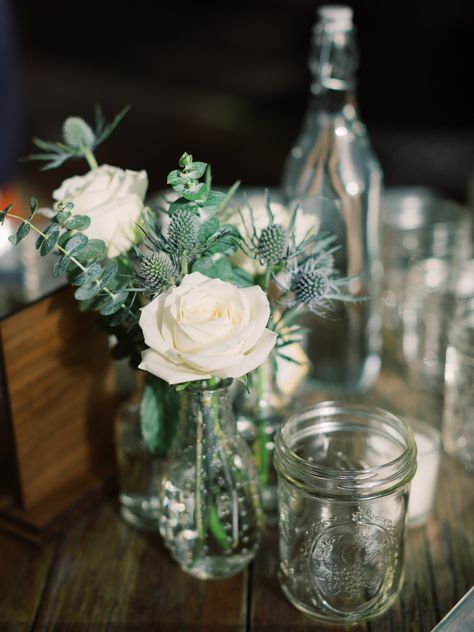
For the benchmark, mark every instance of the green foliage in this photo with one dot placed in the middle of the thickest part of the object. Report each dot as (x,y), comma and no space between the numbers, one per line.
(194,232)
(157,424)
(80,140)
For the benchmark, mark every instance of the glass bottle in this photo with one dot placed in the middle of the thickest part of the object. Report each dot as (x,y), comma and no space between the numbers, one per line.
(211,516)
(333,175)
(344,473)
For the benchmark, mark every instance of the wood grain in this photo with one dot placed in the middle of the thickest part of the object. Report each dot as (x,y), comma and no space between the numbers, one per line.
(23,575)
(110,575)
(60,391)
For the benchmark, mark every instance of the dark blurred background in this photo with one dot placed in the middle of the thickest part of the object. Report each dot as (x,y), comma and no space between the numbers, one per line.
(228,82)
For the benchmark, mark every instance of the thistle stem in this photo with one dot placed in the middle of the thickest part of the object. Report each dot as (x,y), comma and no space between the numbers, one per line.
(89,156)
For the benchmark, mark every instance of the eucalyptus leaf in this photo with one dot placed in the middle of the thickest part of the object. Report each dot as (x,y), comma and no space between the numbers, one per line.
(4,213)
(60,265)
(51,239)
(77,243)
(20,234)
(95,249)
(94,271)
(114,303)
(62,217)
(87,291)
(33,203)
(78,222)
(109,274)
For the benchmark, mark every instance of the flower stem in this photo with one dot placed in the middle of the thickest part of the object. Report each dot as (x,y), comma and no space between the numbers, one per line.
(89,156)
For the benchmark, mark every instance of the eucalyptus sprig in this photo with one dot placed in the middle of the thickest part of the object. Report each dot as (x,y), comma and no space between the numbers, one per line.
(100,286)
(79,140)
(195,240)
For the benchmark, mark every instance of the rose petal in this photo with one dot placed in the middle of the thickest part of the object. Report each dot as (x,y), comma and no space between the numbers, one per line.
(160,366)
(254,358)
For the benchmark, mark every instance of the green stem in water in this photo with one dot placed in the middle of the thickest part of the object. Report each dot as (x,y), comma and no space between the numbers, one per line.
(263,454)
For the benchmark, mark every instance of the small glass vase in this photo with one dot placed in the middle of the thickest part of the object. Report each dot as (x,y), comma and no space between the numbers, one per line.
(139,471)
(211,516)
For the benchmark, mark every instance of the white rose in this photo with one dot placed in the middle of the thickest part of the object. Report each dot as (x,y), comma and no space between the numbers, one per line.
(205,328)
(113,199)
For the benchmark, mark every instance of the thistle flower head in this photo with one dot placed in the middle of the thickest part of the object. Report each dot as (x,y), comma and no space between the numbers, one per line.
(157,271)
(310,286)
(183,232)
(77,133)
(272,244)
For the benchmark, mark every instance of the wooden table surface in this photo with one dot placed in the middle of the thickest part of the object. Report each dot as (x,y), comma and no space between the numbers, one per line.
(100,574)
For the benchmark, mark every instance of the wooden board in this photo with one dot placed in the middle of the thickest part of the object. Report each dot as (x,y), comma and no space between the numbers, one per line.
(58,398)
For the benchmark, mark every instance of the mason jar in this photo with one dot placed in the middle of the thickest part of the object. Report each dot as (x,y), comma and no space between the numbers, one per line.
(344,473)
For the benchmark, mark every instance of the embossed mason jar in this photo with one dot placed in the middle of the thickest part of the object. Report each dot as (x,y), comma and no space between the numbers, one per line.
(344,473)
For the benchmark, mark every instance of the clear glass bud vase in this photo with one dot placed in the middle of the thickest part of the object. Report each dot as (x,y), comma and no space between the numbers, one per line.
(211,516)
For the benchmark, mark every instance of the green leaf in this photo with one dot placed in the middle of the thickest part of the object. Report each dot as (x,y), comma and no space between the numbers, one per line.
(62,217)
(87,291)
(182,387)
(152,416)
(52,236)
(78,222)
(4,213)
(114,303)
(62,241)
(217,530)
(208,228)
(185,160)
(60,265)
(20,234)
(95,249)
(222,269)
(76,244)
(105,130)
(175,177)
(195,170)
(213,201)
(94,271)
(183,205)
(33,203)
(109,274)
(198,192)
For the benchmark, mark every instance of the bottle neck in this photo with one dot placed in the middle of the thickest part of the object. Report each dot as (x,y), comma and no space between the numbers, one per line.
(205,412)
(333,65)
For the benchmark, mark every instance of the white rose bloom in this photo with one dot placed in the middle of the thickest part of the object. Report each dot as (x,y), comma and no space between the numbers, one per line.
(113,199)
(205,328)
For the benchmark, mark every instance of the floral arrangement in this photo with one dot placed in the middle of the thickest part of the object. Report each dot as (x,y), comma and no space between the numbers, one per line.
(195,292)
(148,274)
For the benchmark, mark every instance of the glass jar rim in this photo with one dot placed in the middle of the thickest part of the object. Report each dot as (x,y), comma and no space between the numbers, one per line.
(368,481)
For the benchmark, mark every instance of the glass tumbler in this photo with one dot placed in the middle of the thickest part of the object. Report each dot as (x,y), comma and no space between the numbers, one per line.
(344,473)
(458,416)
